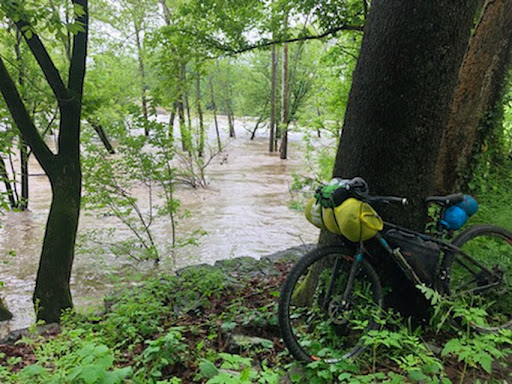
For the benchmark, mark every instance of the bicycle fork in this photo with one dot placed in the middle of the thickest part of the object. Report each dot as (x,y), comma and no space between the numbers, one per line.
(350,282)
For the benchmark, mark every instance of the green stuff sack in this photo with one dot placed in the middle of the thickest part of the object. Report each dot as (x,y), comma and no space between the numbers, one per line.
(357,220)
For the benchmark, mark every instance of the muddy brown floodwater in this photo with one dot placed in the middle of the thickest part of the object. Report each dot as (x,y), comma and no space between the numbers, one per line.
(244,211)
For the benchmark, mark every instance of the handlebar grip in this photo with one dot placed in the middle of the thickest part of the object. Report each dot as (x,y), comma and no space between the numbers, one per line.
(389,199)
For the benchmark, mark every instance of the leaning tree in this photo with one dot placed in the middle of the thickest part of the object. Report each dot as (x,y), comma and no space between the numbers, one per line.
(52,293)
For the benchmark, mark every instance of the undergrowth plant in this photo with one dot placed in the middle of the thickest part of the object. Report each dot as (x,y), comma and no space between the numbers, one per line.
(137,187)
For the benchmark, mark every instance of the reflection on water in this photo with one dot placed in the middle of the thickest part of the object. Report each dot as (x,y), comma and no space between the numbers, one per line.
(244,212)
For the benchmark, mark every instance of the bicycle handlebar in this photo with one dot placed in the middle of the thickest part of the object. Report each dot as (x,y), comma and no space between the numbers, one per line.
(388,199)
(359,187)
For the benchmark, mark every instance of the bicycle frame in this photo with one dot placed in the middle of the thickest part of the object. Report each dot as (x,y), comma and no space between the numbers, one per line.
(449,250)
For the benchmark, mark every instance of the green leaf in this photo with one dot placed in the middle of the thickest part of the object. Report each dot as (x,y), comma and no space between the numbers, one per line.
(486,362)
(208,369)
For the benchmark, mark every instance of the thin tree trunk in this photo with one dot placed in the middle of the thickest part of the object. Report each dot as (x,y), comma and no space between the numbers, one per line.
(214,108)
(183,128)
(167,12)
(200,148)
(318,132)
(103,137)
(481,81)
(142,73)
(185,97)
(231,119)
(229,107)
(7,183)
(277,130)
(172,117)
(23,202)
(273,88)
(260,119)
(283,150)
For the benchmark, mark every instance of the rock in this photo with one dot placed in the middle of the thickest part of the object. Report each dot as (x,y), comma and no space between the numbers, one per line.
(183,270)
(14,336)
(291,254)
(5,314)
(238,343)
(247,267)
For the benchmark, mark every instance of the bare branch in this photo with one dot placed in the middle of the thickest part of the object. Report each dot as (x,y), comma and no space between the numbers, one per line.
(295,39)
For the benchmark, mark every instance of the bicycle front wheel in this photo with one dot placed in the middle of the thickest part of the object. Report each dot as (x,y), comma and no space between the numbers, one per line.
(489,247)
(319,318)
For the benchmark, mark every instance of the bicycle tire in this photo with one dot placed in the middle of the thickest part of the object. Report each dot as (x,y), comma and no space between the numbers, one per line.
(321,336)
(491,246)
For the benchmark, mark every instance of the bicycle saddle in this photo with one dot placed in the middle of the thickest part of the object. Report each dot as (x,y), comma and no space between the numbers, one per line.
(454,198)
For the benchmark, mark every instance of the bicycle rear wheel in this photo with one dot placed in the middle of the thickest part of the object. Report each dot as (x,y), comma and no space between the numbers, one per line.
(316,322)
(491,247)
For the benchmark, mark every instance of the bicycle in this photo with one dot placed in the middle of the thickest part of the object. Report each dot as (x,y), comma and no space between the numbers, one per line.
(333,296)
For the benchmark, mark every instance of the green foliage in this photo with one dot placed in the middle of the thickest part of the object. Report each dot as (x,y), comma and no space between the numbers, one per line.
(161,353)
(235,369)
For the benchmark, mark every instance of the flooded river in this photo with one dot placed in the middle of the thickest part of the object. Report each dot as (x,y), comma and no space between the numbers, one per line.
(244,212)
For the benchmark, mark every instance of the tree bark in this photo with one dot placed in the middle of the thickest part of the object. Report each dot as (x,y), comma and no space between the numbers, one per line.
(273,88)
(400,98)
(52,293)
(283,150)
(481,80)
(398,107)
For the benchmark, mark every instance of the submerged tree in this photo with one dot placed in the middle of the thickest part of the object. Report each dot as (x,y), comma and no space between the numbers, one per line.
(52,293)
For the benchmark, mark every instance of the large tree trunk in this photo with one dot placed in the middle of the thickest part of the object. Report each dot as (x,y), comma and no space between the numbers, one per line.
(400,98)
(397,110)
(481,81)
(52,294)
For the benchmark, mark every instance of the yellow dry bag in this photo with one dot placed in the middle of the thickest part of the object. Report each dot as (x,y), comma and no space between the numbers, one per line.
(353,219)
(357,220)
